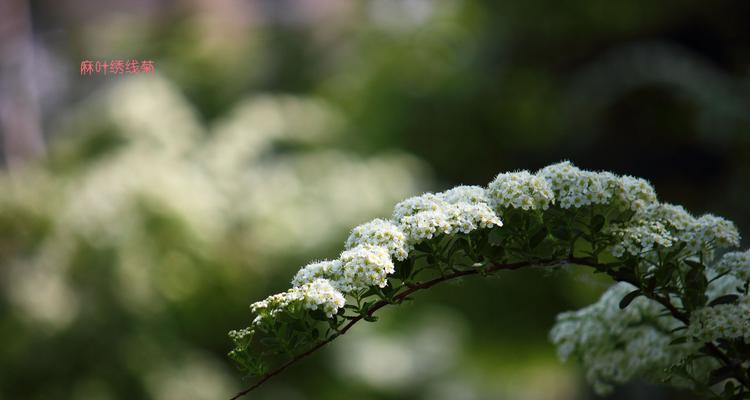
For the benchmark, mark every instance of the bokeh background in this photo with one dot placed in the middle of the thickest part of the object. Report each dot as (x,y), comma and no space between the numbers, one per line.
(140,215)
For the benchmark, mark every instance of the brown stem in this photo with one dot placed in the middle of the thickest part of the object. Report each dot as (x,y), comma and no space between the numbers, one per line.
(396,300)
(617,275)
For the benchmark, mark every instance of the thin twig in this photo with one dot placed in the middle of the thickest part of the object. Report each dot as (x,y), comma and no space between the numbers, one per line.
(411,289)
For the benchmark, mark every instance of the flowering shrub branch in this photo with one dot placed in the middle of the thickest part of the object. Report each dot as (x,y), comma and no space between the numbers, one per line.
(676,315)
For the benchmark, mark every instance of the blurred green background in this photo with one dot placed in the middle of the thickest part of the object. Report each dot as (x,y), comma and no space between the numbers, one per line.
(140,215)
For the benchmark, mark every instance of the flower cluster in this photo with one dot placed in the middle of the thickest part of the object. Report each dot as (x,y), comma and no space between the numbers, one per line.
(627,334)
(639,238)
(736,263)
(704,234)
(358,268)
(379,232)
(520,190)
(318,294)
(727,321)
(577,188)
(617,345)
(364,266)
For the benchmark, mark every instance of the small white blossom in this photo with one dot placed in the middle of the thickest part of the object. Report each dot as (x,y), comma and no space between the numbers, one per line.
(635,193)
(639,237)
(464,194)
(319,269)
(467,217)
(519,190)
(364,266)
(425,225)
(417,204)
(240,334)
(318,294)
(727,321)
(617,345)
(736,263)
(380,232)
(574,187)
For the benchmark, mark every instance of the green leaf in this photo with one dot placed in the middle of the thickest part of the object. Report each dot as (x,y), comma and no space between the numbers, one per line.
(727,299)
(679,340)
(629,298)
(695,264)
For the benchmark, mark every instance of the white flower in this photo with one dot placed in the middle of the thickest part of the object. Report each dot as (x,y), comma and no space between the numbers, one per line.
(380,232)
(639,237)
(467,217)
(319,269)
(617,345)
(519,190)
(577,188)
(736,263)
(425,225)
(416,204)
(727,321)
(464,194)
(635,193)
(318,294)
(364,266)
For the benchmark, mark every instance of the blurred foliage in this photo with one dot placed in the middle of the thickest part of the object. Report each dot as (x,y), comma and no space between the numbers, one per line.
(161,213)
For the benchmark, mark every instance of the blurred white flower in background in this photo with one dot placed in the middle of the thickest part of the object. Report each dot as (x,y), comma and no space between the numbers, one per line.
(139,191)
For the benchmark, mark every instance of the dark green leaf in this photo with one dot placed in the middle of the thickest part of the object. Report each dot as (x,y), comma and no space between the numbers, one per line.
(727,299)
(629,298)
(679,340)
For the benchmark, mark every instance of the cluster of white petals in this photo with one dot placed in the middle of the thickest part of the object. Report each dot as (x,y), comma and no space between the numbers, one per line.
(448,219)
(364,266)
(520,190)
(705,234)
(614,344)
(617,345)
(240,334)
(640,237)
(360,267)
(465,194)
(574,187)
(735,263)
(383,233)
(372,247)
(728,321)
(634,193)
(315,270)
(318,294)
